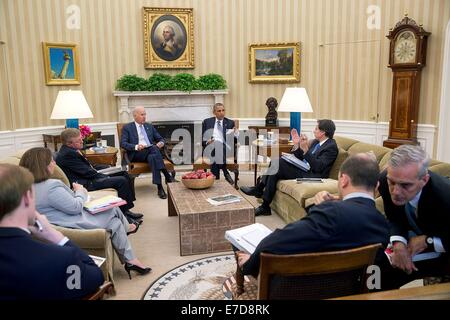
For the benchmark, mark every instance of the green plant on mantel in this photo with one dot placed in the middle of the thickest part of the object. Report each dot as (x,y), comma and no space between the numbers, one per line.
(158,82)
(132,83)
(182,82)
(211,81)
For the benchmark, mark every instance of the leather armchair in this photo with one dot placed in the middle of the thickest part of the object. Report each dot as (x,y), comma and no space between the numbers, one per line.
(95,242)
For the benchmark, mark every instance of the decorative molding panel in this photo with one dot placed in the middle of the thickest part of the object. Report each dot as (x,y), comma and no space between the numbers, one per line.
(370,132)
(169,105)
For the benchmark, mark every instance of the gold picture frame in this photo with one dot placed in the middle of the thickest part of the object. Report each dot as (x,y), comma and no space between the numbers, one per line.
(274,62)
(61,64)
(168,38)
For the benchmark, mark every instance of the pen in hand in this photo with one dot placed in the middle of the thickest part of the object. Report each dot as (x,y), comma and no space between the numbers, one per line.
(38,225)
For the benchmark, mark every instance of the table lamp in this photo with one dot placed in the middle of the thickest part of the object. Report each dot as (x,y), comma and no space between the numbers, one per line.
(295,101)
(71,105)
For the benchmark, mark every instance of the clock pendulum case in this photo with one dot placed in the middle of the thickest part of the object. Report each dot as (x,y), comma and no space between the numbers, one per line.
(407,58)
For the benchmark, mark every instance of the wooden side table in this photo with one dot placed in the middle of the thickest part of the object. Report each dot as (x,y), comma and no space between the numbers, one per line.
(109,157)
(56,138)
(52,138)
(259,146)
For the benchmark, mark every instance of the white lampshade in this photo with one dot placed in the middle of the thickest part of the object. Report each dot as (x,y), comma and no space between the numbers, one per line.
(295,100)
(71,104)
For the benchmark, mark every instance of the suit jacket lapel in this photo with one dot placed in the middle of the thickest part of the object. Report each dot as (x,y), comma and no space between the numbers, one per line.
(149,132)
(135,137)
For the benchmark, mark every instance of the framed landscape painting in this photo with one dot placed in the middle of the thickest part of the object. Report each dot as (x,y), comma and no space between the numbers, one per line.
(168,38)
(61,64)
(274,63)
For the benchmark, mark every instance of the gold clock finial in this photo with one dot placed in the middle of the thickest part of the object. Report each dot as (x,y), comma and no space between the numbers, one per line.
(406,13)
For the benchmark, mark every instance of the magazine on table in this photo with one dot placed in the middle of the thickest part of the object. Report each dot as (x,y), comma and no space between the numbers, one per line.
(103,204)
(291,158)
(224,199)
(247,238)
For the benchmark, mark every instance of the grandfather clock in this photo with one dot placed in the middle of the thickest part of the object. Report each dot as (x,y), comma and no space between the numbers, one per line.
(407,57)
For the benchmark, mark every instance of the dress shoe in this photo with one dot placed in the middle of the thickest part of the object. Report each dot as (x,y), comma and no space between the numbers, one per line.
(131,267)
(252,191)
(263,211)
(170,179)
(133,215)
(137,224)
(229,178)
(161,193)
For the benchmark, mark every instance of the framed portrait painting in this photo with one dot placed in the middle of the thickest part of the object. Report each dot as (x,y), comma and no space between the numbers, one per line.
(168,38)
(61,64)
(274,63)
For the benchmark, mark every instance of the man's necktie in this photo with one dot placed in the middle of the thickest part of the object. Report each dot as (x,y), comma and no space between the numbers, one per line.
(316,147)
(144,134)
(411,215)
(219,127)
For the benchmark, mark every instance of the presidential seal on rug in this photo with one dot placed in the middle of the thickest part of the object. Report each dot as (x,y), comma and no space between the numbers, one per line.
(209,278)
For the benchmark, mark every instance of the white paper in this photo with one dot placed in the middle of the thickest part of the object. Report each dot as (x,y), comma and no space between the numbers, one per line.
(98,260)
(247,238)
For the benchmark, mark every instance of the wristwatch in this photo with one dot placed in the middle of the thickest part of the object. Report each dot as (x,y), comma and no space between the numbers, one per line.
(430,242)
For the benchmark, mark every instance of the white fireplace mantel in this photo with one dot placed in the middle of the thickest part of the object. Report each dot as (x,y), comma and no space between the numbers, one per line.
(169,105)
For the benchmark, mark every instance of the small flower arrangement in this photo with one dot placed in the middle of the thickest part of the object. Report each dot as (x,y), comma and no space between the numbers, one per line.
(86,133)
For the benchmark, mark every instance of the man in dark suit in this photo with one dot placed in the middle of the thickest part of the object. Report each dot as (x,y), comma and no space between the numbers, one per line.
(78,169)
(52,268)
(343,224)
(417,205)
(320,154)
(219,137)
(143,143)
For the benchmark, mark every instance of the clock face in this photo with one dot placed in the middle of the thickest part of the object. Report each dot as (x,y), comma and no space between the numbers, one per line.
(405,48)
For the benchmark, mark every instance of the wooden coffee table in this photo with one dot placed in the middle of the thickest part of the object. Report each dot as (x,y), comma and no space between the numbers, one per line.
(202,226)
(108,157)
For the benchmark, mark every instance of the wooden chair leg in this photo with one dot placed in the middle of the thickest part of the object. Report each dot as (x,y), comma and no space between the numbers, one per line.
(236,178)
(132,177)
(239,278)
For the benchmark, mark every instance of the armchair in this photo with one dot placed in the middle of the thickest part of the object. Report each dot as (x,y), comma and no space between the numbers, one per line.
(204,163)
(95,241)
(321,275)
(137,168)
(106,288)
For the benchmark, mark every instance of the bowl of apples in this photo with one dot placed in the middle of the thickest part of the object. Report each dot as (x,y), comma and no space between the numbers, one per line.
(198,179)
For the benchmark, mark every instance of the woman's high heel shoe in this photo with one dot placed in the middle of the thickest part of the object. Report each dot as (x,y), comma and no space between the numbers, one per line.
(132,267)
(135,230)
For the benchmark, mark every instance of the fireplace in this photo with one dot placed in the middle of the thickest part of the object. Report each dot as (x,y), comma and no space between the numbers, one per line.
(175,134)
(169,111)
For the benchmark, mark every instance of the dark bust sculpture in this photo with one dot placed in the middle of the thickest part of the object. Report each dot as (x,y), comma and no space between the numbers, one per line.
(272,115)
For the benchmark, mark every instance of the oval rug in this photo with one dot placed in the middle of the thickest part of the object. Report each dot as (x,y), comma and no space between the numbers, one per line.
(210,278)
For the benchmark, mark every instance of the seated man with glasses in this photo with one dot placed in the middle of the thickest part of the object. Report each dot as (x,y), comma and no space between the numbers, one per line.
(417,205)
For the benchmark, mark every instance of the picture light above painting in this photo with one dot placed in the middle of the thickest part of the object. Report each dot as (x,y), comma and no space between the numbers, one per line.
(274,62)
(168,38)
(61,64)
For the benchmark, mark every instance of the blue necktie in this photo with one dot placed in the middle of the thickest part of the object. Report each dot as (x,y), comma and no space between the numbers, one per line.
(316,147)
(144,134)
(411,215)
(219,127)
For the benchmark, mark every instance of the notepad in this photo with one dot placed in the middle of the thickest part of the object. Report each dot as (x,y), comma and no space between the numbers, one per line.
(103,204)
(247,238)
